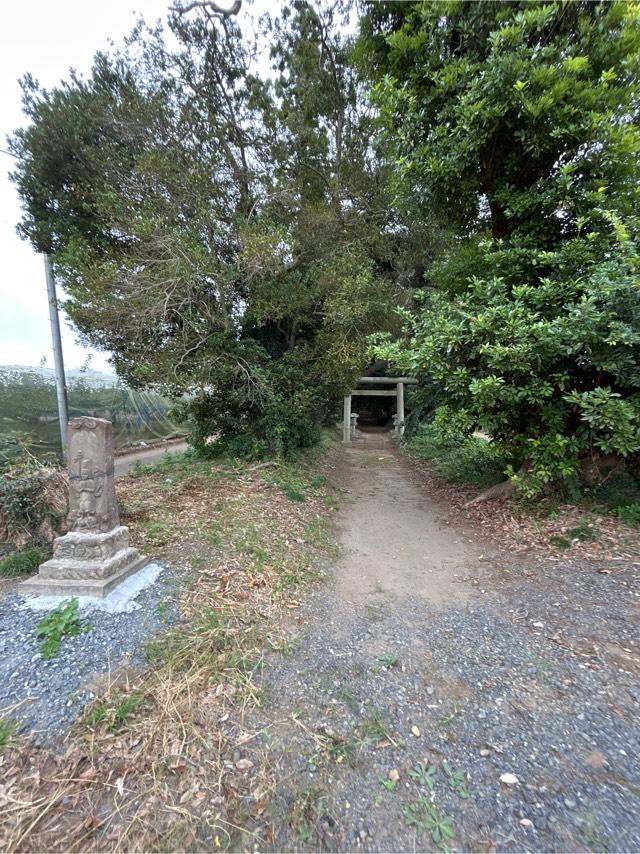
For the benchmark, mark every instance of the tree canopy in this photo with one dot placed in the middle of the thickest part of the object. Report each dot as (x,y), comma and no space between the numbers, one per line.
(221,233)
(459,180)
(517,124)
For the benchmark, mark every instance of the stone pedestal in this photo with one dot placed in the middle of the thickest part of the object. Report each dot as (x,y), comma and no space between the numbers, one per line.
(95,556)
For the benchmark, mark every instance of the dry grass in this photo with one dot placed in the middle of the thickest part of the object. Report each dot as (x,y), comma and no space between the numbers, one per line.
(161,761)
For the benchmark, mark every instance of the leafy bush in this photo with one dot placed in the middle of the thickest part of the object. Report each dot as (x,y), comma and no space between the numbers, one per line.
(522,139)
(629,513)
(63,620)
(33,502)
(272,413)
(456,454)
(23,561)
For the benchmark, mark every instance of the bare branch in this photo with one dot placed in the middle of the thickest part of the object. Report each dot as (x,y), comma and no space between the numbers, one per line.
(210,5)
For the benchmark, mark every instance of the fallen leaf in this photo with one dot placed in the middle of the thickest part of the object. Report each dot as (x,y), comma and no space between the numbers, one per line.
(394,775)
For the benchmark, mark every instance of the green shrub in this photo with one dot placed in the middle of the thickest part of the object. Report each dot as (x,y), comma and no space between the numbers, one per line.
(629,513)
(456,454)
(23,561)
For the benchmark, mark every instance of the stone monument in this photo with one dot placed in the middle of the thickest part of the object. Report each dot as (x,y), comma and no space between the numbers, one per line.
(95,556)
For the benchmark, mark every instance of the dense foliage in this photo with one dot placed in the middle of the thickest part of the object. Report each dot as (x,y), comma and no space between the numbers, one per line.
(226,236)
(236,235)
(516,125)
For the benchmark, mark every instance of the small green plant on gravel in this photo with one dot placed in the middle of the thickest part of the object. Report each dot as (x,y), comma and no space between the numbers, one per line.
(426,817)
(447,720)
(7,728)
(376,728)
(115,712)
(424,775)
(308,805)
(23,561)
(63,620)
(388,660)
(163,610)
(457,780)
(387,784)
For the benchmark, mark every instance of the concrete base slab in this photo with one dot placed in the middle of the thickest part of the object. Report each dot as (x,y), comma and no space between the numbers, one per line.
(118,600)
(96,588)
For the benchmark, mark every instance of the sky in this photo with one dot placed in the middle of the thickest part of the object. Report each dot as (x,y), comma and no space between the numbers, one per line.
(45,38)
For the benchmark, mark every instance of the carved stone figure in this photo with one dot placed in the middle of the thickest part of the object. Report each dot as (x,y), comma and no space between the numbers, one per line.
(95,556)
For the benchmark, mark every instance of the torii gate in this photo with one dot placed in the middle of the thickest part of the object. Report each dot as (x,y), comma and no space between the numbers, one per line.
(397,392)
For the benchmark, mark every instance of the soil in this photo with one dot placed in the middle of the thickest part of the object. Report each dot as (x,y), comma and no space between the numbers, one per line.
(440,695)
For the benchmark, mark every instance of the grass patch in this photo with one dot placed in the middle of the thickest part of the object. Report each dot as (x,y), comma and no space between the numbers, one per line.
(23,562)
(7,728)
(114,712)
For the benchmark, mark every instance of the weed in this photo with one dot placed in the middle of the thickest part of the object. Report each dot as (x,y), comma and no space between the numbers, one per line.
(7,728)
(163,610)
(629,513)
(559,541)
(316,533)
(293,492)
(542,666)
(426,817)
(308,805)
(424,775)
(388,660)
(387,784)
(157,533)
(448,718)
(350,700)
(115,712)
(457,780)
(22,562)
(376,728)
(63,620)
(583,533)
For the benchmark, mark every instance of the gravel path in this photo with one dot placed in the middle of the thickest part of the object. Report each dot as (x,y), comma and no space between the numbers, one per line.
(529,672)
(47,695)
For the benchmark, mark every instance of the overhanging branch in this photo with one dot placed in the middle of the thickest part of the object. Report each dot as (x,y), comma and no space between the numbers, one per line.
(211,5)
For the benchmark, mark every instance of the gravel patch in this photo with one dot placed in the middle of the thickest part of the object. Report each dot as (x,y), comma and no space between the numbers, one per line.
(540,680)
(46,696)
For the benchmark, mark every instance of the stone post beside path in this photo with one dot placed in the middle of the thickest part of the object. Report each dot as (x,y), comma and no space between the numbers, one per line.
(95,556)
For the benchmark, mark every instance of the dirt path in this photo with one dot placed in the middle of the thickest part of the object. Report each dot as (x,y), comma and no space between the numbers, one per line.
(393,541)
(430,669)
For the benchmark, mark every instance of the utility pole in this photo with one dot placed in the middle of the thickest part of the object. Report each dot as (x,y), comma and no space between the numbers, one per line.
(61,385)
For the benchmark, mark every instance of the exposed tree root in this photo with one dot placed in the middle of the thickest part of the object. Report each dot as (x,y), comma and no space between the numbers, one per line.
(501,491)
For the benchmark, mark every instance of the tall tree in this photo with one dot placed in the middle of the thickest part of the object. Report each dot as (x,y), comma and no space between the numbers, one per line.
(517,122)
(217,232)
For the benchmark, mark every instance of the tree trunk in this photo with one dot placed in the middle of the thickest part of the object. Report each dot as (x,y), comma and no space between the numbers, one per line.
(499,221)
